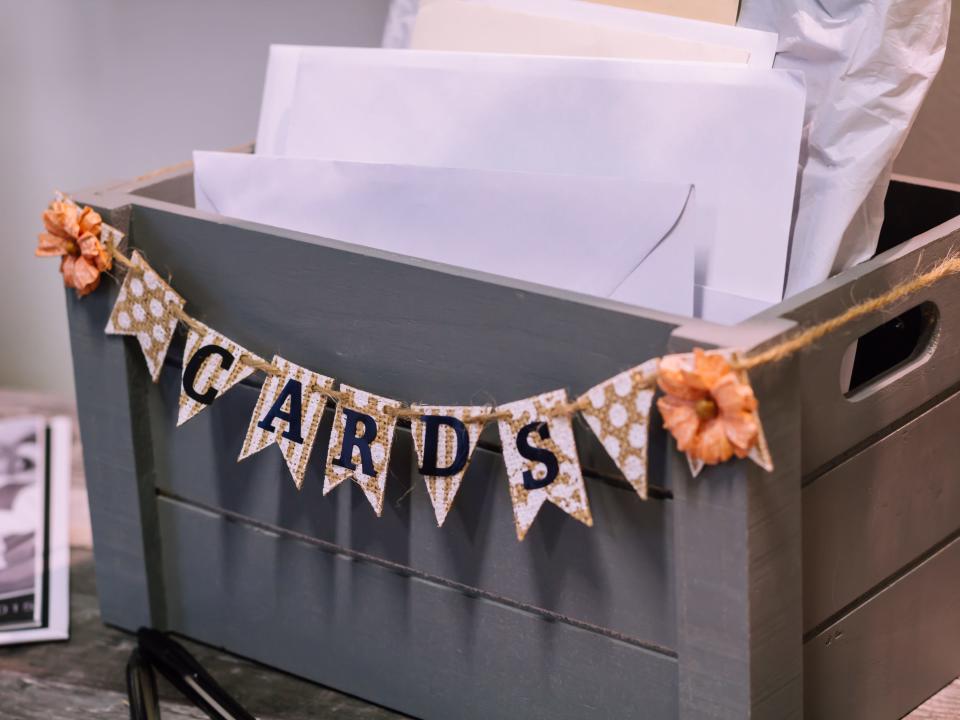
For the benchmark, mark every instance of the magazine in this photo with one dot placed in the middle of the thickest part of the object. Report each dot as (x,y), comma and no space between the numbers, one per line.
(34,533)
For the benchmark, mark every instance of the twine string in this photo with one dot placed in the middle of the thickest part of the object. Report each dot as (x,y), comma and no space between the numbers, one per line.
(793,344)
(950,265)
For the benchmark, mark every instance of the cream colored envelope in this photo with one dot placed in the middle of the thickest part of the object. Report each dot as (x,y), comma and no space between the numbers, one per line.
(571,27)
(718,11)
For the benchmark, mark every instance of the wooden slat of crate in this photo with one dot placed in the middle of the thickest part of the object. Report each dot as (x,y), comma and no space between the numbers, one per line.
(738,546)
(112,394)
(879,511)
(888,655)
(380,634)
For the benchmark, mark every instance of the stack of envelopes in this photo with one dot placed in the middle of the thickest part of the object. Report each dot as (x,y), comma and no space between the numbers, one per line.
(623,154)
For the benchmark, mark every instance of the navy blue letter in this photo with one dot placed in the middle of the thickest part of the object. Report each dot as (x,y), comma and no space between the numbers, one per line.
(431,438)
(362,443)
(292,390)
(536,454)
(193,369)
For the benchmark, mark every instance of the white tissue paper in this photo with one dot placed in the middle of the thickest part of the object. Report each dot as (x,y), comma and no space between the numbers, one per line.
(868,66)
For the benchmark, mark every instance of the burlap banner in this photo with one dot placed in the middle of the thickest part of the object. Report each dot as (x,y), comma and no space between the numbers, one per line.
(705,400)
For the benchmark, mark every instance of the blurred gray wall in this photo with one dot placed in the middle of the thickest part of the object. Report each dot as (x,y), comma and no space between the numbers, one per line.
(933,148)
(99,90)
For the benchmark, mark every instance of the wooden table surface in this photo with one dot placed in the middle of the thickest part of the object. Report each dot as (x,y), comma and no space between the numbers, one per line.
(84,677)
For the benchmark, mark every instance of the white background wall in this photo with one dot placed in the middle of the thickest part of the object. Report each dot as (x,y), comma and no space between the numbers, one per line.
(99,90)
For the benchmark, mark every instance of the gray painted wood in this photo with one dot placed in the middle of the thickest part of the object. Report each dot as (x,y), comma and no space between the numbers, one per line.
(738,544)
(373,319)
(617,575)
(412,645)
(875,513)
(112,390)
(833,424)
(84,676)
(887,656)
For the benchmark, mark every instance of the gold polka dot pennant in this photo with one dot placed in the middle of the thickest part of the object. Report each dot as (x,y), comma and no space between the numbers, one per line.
(618,412)
(450,446)
(288,413)
(541,458)
(360,443)
(145,309)
(212,364)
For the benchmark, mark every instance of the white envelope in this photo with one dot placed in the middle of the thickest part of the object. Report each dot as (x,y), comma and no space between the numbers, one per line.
(610,237)
(733,132)
(571,27)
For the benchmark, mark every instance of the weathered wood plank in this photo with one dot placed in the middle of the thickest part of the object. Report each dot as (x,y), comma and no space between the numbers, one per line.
(887,656)
(737,545)
(111,384)
(416,646)
(872,515)
(91,664)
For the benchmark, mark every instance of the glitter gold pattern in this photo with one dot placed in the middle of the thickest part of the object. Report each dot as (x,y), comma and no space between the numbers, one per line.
(312,403)
(567,491)
(144,309)
(442,490)
(212,374)
(618,412)
(374,485)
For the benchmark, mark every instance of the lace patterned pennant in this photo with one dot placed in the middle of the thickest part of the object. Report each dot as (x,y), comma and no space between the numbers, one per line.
(451,446)
(212,364)
(288,413)
(360,444)
(534,477)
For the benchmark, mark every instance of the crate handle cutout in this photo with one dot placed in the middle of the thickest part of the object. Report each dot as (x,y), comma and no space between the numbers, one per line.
(889,351)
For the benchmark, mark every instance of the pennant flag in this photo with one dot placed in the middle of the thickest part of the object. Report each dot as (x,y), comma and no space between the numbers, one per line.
(145,309)
(288,413)
(444,444)
(618,412)
(710,409)
(212,364)
(541,458)
(360,443)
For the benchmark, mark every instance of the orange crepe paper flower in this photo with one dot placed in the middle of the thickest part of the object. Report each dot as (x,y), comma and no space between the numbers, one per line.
(710,409)
(74,235)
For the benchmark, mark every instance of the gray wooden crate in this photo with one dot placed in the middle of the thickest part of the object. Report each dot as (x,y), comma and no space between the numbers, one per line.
(827,589)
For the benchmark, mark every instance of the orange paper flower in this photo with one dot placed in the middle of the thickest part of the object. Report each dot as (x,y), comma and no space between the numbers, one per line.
(709,409)
(74,235)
